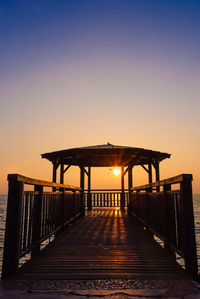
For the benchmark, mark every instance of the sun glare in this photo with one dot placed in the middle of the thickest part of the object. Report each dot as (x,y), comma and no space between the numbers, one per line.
(116,171)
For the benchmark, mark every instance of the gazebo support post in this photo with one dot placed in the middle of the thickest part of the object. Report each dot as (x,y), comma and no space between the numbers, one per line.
(54,177)
(130,180)
(89,198)
(157,174)
(82,172)
(61,173)
(150,174)
(122,203)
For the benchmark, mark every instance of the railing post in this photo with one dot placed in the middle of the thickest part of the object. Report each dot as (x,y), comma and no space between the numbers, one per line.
(190,253)
(82,172)
(130,181)
(37,213)
(137,208)
(89,198)
(170,221)
(130,202)
(12,240)
(63,206)
(122,202)
(74,196)
(148,190)
(148,209)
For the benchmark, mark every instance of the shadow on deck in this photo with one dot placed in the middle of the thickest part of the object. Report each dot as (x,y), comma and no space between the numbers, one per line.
(104,244)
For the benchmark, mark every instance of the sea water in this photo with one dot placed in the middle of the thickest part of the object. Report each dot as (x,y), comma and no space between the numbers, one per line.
(3,204)
(196,203)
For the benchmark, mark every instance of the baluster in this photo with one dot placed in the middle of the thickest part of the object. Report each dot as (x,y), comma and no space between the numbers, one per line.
(30,220)
(37,211)
(43,216)
(170,234)
(74,199)
(22,224)
(25,221)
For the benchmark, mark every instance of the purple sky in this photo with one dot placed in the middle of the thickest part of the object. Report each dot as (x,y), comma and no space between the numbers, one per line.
(75,73)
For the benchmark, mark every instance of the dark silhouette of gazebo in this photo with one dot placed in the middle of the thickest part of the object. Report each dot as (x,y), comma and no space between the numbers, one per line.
(106,155)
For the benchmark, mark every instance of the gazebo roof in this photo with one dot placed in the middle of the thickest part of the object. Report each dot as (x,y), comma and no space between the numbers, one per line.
(106,155)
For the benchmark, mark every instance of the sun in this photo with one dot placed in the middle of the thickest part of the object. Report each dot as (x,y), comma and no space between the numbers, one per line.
(116,171)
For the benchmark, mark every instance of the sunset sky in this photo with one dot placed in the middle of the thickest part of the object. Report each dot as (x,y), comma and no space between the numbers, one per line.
(85,72)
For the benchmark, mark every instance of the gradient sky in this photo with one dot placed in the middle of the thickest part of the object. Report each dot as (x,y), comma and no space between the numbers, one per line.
(85,72)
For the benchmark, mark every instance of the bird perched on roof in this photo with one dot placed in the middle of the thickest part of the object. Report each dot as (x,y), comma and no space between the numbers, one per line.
(109,144)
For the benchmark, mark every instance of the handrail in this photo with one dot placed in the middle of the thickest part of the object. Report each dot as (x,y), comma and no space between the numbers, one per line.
(29,181)
(173,180)
(33,216)
(169,215)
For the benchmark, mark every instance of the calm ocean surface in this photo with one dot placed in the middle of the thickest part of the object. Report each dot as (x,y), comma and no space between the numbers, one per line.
(196,201)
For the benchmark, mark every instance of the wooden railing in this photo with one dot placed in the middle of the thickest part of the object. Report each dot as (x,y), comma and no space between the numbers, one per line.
(169,215)
(33,216)
(106,198)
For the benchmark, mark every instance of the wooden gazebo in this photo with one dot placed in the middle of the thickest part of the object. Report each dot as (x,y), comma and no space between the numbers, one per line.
(106,155)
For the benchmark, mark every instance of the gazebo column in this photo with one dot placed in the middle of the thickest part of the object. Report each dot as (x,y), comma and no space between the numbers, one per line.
(54,176)
(89,198)
(157,169)
(130,179)
(150,175)
(82,173)
(61,173)
(122,203)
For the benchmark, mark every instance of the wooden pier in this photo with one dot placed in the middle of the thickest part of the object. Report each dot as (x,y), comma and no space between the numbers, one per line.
(101,234)
(105,244)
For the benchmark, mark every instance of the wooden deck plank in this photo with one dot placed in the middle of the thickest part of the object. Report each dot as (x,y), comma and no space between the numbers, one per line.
(103,244)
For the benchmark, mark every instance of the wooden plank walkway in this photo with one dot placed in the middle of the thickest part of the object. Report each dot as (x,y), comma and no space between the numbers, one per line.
(105,244)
